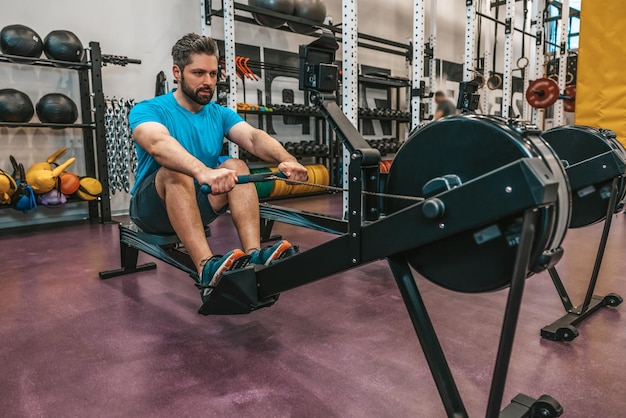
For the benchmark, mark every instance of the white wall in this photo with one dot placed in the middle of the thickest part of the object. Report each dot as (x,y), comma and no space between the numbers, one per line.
(146,29)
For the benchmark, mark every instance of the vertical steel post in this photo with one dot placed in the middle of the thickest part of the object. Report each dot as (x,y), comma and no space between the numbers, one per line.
(432,40)
(508,57)
(205,27)
(231,71)
(487,41)
(417,66)
(95,57)
(470,40)
(559,113)
(350,80)
(536,56)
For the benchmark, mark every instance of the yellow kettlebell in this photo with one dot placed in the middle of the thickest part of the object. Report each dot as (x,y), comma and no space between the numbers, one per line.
(7,187)
(43,180)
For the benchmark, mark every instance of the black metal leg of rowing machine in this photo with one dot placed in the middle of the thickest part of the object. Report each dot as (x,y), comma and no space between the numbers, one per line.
(236,293)
(128,258)
(563,329)
(427,337)
(434,354)
(266,231)
(537,407)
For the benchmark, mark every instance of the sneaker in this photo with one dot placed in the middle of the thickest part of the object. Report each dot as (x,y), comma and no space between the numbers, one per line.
(282,249)
(216,266)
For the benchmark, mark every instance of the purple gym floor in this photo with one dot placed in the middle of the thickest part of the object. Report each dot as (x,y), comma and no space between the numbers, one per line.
(134,346)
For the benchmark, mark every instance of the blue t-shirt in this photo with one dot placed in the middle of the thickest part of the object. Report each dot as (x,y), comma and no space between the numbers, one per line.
(201,133)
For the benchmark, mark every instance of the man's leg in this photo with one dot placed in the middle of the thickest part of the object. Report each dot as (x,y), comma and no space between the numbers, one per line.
(243,203)
(179,194)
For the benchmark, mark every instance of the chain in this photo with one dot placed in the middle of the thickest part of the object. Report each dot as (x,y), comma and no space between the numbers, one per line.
(339,189)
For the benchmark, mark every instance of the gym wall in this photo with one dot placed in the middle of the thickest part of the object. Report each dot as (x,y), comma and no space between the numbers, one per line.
(146,30)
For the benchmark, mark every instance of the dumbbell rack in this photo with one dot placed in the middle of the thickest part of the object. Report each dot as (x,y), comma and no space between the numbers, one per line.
(92,123)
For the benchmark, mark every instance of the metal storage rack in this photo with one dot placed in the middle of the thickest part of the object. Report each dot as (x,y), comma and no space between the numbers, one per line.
(92,108)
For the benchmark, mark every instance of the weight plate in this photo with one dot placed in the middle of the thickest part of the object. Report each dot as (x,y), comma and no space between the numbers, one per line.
(569,105)
(279,188)
(469,146)
(574,144)
(542,93)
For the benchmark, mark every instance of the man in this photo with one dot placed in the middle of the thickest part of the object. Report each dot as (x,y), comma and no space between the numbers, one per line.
(444,106)
(179,138)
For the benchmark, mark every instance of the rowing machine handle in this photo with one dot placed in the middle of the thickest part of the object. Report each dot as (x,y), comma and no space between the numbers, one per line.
(249,178)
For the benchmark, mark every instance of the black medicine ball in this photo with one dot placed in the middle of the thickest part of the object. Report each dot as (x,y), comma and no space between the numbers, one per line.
(20,40)
(63,45)
(15,106)
(56,108)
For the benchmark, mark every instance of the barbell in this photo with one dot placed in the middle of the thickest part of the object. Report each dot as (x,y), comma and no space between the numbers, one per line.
(544,92)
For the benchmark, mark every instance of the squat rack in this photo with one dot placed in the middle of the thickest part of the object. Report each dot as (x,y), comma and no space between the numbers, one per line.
(535,67)
(350,43)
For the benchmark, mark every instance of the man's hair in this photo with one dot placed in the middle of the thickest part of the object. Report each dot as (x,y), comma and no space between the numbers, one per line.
(190,44)
(439,94)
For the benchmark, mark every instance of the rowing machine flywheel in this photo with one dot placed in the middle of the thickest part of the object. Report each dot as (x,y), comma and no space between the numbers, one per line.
(577,145)
(456,150)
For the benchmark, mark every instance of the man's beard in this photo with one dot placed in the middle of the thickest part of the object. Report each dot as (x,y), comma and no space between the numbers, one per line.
(194,95)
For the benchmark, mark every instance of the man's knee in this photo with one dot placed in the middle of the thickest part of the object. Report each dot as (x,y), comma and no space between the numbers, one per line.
(165,177)
(172,180)
(236,164)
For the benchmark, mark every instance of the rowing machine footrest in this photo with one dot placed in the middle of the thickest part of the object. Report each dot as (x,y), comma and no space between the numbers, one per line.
(235,293)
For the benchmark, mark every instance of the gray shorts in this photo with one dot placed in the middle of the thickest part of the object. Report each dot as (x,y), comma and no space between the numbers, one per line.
(148,211)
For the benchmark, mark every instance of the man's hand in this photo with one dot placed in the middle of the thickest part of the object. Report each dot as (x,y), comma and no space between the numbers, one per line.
(294,170)
(221,180)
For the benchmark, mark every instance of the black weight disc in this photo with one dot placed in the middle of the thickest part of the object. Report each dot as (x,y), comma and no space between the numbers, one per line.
(469,146)
(574,144)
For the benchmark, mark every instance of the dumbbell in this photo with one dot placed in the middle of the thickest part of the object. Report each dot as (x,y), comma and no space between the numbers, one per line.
(299,149)
(317,149)
(290,147)
(308,147)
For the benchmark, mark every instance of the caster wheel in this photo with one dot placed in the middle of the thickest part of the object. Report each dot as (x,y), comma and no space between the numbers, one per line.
(567,333)
(546,407)
(612,299)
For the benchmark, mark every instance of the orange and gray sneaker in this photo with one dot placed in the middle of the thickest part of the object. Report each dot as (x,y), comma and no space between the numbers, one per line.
(216,266)
(282,249)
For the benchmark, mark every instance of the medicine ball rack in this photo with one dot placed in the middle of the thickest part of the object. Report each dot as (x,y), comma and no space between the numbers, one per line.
(92,107)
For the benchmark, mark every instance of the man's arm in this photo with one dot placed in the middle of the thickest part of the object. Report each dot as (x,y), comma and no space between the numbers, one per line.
(156,140)
(268,149)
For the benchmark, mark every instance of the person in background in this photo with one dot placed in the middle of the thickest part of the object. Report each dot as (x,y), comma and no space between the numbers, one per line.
(445,107)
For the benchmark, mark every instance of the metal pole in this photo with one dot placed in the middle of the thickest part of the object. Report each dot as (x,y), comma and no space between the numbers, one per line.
(559,113)
(536,55)
(350,104)
(418,60)
(487,41)
(231,70)
(470,40)
(205,29)
(508,57)
(511,315)
(432,40)
(427,336)
(603,240)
